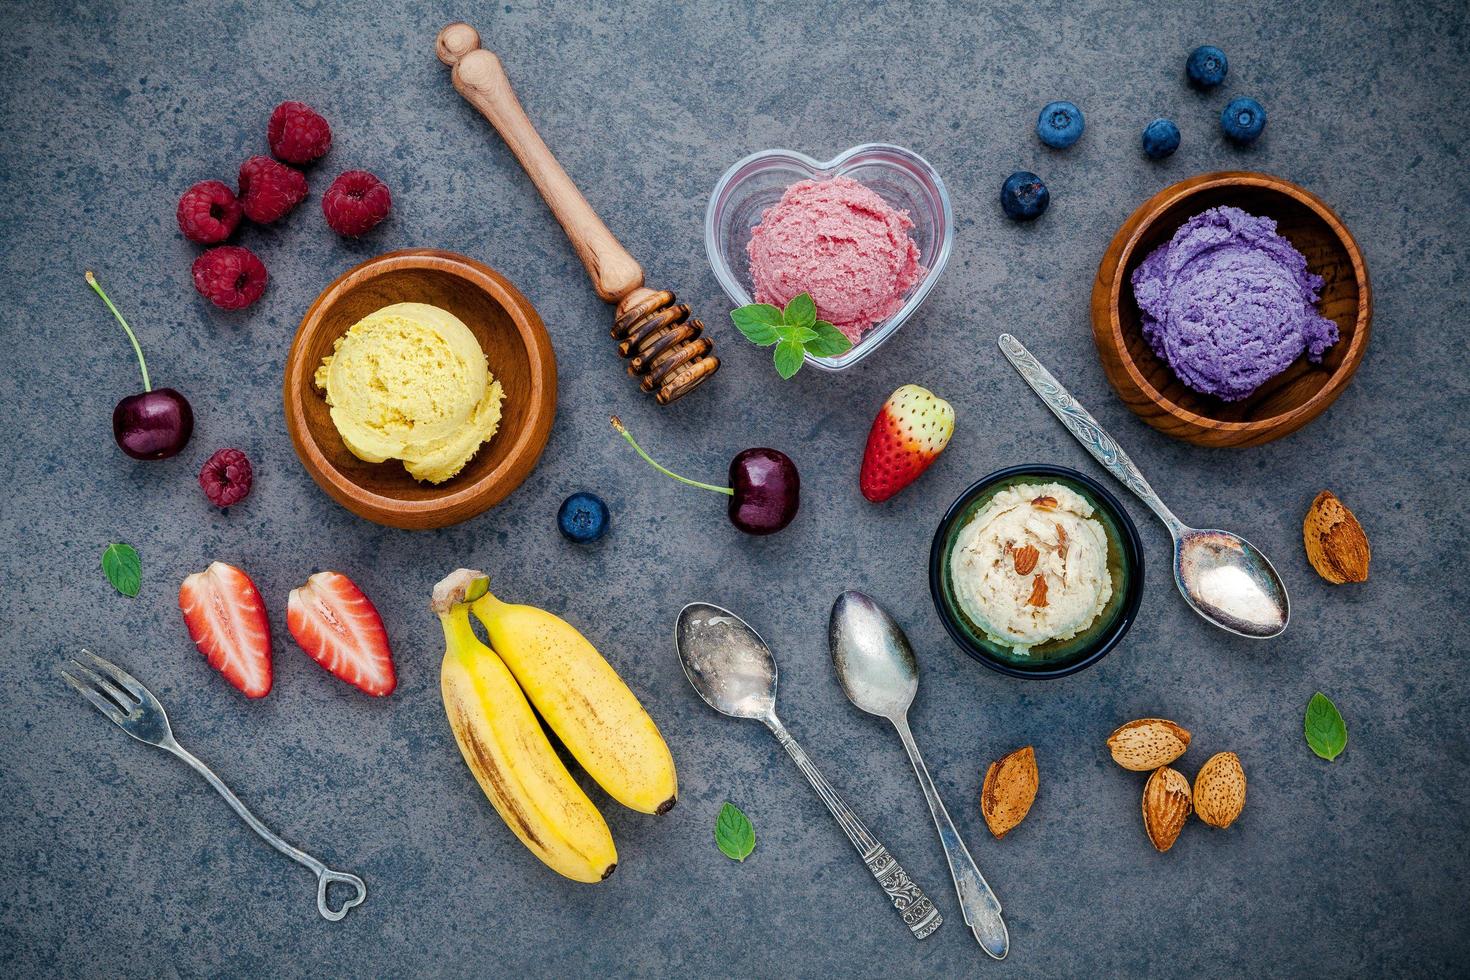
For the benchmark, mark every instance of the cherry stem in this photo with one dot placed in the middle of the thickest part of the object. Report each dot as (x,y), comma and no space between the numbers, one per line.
(142,364)
(618,424)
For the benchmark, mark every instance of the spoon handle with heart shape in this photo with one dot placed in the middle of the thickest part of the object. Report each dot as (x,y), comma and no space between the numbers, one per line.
(918,912)
(1085,429)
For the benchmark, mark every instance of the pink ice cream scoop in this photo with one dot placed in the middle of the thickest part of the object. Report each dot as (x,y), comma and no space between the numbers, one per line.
(841,242)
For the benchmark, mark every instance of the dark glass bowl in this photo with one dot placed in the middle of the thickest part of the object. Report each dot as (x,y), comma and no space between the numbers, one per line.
(1056,658)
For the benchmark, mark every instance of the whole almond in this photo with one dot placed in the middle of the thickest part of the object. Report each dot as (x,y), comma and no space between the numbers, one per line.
(1336,544)
(1009,790)
(1147,744)
(1166,806)
(1219,790)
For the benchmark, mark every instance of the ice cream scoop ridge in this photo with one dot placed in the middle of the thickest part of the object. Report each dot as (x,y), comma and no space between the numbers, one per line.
(841,242)
(410,382)
(1229,304)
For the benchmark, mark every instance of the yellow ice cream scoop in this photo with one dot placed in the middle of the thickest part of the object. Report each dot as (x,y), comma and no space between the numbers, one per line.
(410,382)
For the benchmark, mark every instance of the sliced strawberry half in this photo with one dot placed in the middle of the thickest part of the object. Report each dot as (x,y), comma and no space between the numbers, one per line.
(340,629)
(227,621)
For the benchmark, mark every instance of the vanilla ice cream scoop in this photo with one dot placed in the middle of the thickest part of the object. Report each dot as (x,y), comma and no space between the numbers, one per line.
(1032,566)
(410,382)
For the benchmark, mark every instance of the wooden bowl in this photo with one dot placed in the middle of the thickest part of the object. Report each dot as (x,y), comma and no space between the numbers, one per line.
(520,355)
(1286,402)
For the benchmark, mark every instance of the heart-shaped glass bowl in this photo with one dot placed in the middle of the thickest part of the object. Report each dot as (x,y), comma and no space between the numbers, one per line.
(899,176)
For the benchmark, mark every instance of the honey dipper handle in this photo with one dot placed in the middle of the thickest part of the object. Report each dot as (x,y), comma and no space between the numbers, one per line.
(479,77)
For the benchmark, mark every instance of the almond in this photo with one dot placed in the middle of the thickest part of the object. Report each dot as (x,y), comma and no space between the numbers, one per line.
(1061,541)
(1038,592)
(1337,547)
(1009,790)
(1219,790)
(1045,503)
(1147,744)
(1026,559)
(1166,806)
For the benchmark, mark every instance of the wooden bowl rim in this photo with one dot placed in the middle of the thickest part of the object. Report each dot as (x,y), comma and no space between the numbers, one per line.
(529,441)
(1133,229)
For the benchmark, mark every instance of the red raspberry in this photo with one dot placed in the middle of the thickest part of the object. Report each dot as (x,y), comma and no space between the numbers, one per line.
(356,202)
(226,477)
(297,133)
(230,277)
(208,212)
(269,190)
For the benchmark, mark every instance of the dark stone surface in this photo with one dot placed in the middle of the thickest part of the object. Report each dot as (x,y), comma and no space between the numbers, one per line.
(117,860)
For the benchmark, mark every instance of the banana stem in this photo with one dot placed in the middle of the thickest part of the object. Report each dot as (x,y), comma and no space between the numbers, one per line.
(457,631)
(618,424)
(142,364)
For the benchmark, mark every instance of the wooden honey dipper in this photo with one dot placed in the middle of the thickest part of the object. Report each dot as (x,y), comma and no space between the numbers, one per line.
(662,342)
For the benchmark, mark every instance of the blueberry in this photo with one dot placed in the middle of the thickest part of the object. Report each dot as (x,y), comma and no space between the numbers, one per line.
(1243,120)
(582,518)
(1059,125)
(1024,196)
(1160,139)
(1206,66)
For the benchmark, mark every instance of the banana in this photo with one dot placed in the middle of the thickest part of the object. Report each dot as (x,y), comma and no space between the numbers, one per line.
(585,702)
(507,750)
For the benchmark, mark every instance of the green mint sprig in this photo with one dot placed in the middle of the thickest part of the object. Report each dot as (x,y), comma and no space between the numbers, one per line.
(734,834)
(795,331)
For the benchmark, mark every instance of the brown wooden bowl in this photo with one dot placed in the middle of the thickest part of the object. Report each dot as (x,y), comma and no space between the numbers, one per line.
(1288,401)
(520,355)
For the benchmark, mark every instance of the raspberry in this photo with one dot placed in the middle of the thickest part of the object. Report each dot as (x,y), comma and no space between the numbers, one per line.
(208,212)
(230,277)
(226,477)
(297,133)
(269,190)
(356,202)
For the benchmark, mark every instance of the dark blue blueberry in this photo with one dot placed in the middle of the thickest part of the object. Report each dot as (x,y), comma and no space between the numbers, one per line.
(582,518)
(1059,125)
(1024,196)
(1243,120)
(1160,139)
(1206,66)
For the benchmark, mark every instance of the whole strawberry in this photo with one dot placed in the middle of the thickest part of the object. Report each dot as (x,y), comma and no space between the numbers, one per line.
(269,190)
(911,430)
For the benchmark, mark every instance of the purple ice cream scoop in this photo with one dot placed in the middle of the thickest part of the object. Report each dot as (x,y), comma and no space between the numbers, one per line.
(1229,304)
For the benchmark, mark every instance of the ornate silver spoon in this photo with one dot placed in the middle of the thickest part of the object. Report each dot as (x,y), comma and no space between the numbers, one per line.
(1221,575)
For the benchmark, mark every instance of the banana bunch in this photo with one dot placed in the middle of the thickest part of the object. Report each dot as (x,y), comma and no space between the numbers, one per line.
(538,656)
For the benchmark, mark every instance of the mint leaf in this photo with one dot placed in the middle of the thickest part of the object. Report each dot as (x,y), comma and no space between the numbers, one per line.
(758,322)
(788,357)
(123,569)
(829,341)
(797,335)
(801,311)
(1325,730)
(733,833)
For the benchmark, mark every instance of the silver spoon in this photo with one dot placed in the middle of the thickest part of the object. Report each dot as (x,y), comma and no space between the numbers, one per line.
(731,667)
(877,669)
(1221,575)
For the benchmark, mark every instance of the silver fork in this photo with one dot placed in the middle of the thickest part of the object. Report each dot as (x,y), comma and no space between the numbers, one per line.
(134,709)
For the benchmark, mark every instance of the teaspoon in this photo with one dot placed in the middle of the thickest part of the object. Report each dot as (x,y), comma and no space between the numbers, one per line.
(1221,575)
(876,668)
(731,667)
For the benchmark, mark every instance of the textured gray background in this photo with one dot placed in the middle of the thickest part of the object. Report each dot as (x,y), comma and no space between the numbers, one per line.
(116,859)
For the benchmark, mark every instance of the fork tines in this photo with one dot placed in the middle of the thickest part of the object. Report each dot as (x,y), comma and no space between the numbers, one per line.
(112,690)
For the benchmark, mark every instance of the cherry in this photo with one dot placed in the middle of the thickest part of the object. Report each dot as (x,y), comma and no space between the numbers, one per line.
(764,491)
(151,424)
